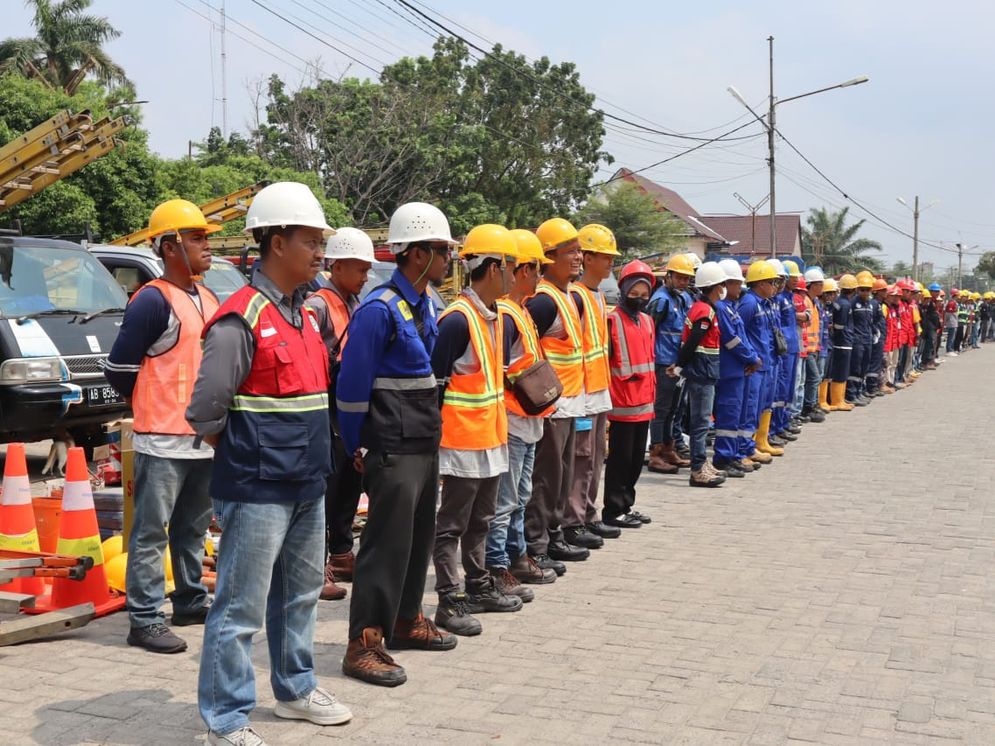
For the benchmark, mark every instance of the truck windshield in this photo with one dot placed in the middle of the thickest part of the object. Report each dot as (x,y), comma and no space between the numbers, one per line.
(37,280)
(223,278)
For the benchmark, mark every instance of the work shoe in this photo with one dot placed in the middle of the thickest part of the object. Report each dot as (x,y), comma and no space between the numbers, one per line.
(190,618)
(367,659)
(509,585)
(329,590)
(801,419)
(241,737)
(683,450)
(453,614)
(731,468)
(527,570)
(545,562)
(776,442)
(748,465)
(487,597)
(600,528)
(657,463)
(676,455)
(343,565)
(419,633)
(793,428)
(319,707)
(816,415)
(857,402)
(641,517)
(760,457)
(626,520)
(705,477)
(560,550)
(579,536)
(788,435)
(156,638)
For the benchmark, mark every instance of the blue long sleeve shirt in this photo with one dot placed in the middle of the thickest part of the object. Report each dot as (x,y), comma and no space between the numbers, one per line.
(736,352)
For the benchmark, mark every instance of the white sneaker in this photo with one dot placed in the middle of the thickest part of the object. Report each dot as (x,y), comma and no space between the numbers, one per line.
(952,354)
(241,737)
(320,707)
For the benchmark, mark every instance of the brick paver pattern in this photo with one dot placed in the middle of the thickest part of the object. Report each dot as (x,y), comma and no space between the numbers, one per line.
(840,595)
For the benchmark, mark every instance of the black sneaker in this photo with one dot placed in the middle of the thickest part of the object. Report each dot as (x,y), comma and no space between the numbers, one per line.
(453,614)
(641,517)
(560,550)
(579,536)
(486,597)
(156,638)
(545,562)
(604,531)
(190,618)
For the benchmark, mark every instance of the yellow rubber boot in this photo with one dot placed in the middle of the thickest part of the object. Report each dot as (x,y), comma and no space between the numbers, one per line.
(762,431)
(839,397)
(824,396)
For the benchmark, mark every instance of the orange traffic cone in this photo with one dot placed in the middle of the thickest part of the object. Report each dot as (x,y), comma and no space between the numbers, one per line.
(17,517)
(80,537)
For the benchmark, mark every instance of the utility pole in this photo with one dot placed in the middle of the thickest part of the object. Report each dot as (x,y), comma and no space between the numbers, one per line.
(224,76)
(753,217)
(770,149)
(960,263)
(916,212)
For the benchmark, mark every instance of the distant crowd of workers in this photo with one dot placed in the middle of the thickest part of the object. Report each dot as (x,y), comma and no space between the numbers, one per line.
(289,400)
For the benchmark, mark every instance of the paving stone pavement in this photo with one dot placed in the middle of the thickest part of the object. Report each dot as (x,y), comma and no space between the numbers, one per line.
(840,595)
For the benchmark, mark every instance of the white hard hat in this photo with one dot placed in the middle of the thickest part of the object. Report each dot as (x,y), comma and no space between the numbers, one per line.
(350,243)
(695,260)
(709,274)
(814,274)
(417,221)
(778,267)
(732,269)
(286,203)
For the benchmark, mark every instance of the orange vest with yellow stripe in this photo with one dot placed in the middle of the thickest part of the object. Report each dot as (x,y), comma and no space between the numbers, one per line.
(165,381)
(473,413)
(597,375)
(565,355)
(338,314)
(532,352)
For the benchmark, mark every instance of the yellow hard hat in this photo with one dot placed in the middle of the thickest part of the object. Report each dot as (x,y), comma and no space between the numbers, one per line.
(115,570)
(178,215)
(761,270)
(556,233)
(830,285)
(865,279)
(989,295)
(111,547)
(849,282)
(489,239)
(919,287)
(595,237)
(529,248)
(976,296)
(792,266)
(681,264)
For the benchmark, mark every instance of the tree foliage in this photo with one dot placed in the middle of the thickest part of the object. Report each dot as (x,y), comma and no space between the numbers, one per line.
(640,227)
(986,264)
(833,245)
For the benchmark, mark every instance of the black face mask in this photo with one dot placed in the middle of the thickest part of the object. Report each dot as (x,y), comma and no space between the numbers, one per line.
(635,305)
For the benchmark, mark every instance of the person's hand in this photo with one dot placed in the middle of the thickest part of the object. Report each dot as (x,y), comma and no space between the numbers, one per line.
(671,371)
(357,461)
(212,440)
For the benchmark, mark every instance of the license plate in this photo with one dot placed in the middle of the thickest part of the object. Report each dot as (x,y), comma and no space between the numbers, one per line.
(102,396)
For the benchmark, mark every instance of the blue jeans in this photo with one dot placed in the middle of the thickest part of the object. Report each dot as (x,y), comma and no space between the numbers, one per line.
(951,338)
(270,568)
(701,399)
(801,377)
(813,377)
(506,534)
(175,492)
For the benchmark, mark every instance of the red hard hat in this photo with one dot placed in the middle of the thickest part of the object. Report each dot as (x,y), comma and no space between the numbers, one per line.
(637,268)
(801,284)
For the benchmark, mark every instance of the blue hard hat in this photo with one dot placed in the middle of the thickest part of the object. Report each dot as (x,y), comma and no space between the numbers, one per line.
(934,287)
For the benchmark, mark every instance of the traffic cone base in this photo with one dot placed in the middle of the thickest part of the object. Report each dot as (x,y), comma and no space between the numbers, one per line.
(18,532)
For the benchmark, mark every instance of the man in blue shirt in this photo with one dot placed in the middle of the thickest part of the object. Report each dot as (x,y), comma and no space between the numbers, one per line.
(388,406)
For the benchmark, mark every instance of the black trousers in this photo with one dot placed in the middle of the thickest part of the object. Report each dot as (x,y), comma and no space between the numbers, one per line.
(465,513)
(552,478)
(396,545)
(341,500)
(626,448)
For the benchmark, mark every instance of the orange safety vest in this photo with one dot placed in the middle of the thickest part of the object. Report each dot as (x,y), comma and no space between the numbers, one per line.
(532,352)
(814,326)
(473,413)
(597,376)
(165,381)
(338,314)
(565,355)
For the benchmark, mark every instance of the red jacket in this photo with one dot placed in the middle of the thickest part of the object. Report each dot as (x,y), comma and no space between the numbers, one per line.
(907,336)
(631,359)
(891,340)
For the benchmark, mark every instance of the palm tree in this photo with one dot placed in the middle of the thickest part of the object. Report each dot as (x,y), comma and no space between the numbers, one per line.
(67,47)
(830,243)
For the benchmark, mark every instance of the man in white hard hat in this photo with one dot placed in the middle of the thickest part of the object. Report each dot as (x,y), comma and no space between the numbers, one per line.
(388,406)
(261,399)
(350,255)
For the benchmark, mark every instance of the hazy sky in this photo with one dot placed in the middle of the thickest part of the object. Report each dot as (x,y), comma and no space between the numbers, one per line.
(922,125)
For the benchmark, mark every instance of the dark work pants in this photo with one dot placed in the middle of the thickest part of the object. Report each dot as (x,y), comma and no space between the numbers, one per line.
(396,545)
(860,358)
(465,513)
(840,363)
(929,346)
(626,448)
(589,460)
(552,478)
(665,407)
(341,499)
(959,337)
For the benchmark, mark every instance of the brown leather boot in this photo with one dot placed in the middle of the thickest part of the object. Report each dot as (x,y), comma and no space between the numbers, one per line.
(330,591)
(658,463)
(343,565)
(509,585)
(366,659)
(420,634)
(673,457)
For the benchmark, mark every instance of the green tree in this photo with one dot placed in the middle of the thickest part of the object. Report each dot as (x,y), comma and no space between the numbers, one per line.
(67,47)
(640,227)
(833,245)
(986,265)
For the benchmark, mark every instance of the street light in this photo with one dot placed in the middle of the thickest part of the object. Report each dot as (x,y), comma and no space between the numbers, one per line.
(770,126)
(915,232)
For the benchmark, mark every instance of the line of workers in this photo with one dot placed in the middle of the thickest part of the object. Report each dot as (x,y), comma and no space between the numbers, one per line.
(290,399)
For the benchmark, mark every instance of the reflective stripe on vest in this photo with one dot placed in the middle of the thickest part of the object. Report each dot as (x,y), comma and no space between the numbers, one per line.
(531,354)
(633,382)
(165,381)
(595,339)
(338,315)
(565,355)
(473,414)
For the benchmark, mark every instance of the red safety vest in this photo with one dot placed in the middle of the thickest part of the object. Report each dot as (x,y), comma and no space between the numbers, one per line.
(633,382)
(165,381)
(338,314)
